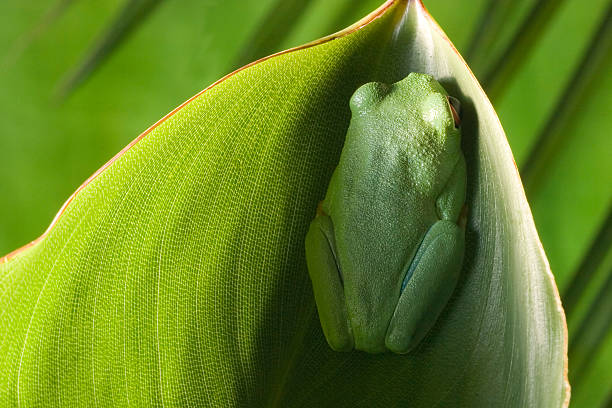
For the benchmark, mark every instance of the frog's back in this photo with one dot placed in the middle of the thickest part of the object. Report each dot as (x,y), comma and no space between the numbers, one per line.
(383,193)
(384,190)
(393,166)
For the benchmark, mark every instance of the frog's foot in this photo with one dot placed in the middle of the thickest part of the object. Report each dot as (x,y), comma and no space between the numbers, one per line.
(427,286)
(327,283)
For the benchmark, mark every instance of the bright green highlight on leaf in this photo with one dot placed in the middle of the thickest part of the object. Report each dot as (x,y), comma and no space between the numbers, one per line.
(177,275)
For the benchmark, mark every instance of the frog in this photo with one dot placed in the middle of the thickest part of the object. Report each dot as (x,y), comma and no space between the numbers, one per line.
(385,249)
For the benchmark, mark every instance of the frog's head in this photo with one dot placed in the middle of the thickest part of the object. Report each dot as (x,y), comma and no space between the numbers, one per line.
(418,100)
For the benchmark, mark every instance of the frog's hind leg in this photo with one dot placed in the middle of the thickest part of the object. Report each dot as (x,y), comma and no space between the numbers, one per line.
(327,284)
(429,283)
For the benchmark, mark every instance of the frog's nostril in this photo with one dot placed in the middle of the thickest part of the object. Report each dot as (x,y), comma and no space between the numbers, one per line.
(455,107)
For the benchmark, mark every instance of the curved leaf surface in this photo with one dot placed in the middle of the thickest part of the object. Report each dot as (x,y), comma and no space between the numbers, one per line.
(176,275)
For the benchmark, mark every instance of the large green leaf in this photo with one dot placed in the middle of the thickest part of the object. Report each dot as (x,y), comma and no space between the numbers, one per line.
(176,275)
(52,147)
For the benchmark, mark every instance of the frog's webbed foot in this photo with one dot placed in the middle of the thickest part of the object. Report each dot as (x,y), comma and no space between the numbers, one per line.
(429,282)
(327,284)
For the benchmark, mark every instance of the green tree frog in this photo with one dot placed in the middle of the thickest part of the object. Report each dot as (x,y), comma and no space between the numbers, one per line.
(385,249)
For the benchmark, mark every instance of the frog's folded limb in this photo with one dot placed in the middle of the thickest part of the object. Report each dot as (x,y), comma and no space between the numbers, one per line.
(327,284)
(451,200)
(434,273)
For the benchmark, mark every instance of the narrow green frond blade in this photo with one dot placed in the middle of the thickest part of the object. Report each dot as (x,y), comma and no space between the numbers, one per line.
(586,272)
(23,42)
(487,31)
(590,351)
(585,341)
(497,25)
(505,67)
(175,276)
(608,401)
(273,29)
(133,13)
(595,386)
(584,79)
(572,194)
(324,17)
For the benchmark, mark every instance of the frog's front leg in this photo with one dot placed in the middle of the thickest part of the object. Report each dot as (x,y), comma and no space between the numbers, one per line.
(427,286)
(327,284)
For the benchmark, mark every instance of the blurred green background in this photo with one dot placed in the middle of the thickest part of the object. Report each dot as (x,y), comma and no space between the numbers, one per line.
(81,79)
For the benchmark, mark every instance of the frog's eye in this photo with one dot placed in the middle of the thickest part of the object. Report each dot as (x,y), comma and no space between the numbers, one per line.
(455,107)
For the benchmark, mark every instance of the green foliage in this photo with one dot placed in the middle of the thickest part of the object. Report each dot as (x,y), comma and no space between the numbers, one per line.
(51,147)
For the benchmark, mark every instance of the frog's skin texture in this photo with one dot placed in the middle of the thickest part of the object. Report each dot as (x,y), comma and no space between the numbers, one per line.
(386,247)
